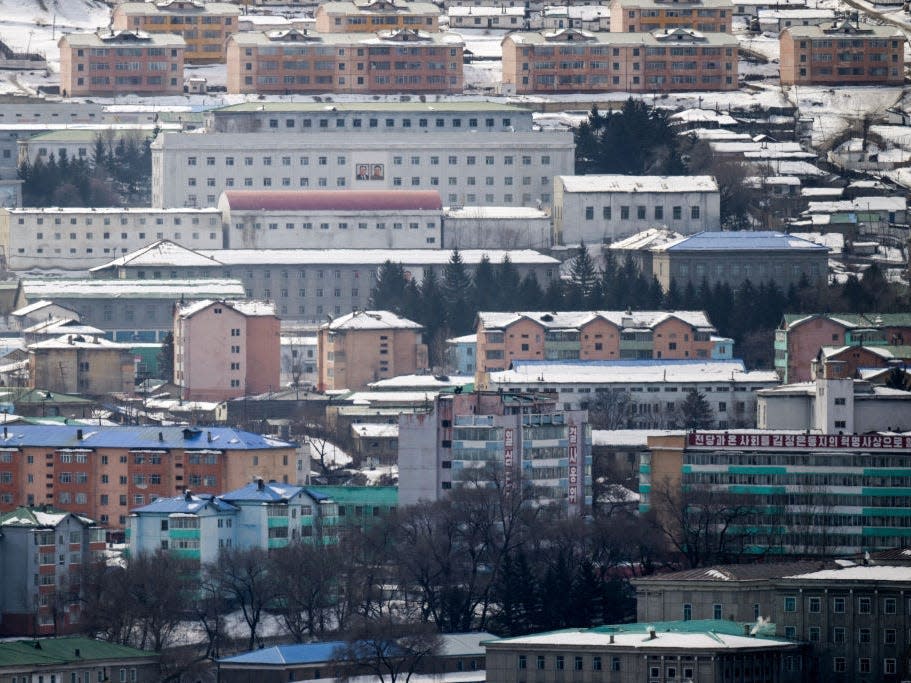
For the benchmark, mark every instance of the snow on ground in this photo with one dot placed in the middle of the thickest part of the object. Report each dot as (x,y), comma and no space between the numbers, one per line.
(487,74)
(834,109)
(763,44)
(482,42)
(27,26)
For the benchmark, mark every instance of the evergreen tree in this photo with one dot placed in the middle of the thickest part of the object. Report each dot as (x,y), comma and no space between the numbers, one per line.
(673,298)
(553,297)
(485,286)
(508,284)
(388,294)
(583,280)
(697,413)
(166,358)
(530,295)
(457,295)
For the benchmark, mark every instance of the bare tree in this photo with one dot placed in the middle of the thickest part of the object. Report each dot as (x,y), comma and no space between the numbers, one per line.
(243,577)
(611,409)
(390,650)
(304,575)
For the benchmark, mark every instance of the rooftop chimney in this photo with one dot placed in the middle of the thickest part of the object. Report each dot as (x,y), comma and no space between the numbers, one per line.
(651,633)
(260,484)
(78,652)
(188,495)
(161,436)
(79,434)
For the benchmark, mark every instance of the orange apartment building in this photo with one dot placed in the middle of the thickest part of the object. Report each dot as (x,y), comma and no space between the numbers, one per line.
(842,54)
(366,346)
(294,61)
(113,62)
(571,60)
(591,335)
(104,472)
(204,26)
(647,16)
(370,16)
(226,349)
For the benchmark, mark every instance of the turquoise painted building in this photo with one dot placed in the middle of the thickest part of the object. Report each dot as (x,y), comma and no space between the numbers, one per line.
(360,506)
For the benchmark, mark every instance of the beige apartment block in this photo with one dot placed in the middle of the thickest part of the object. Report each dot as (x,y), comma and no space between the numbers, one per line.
(108,63)
(842,54)
(369,16)
(81,364)
(204,26)
(645,16)
(571,60)
(393,61)
(366,346)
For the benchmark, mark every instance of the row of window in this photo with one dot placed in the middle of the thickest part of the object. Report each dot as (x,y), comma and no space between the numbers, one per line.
(141,220)
(839,604)
(641,211)
(357,122)
(413,160)
(558,663)
(453,198)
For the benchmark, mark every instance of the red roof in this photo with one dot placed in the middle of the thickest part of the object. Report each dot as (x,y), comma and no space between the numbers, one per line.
(334,200)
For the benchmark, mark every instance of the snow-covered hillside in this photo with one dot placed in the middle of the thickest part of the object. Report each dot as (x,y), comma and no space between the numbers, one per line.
(36,25)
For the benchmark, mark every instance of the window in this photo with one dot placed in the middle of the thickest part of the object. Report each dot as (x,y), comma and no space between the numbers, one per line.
(577,663)
(889,666)
(522,662)
(864,605)
(889,605)
(814,605)
(687,612)
(716,611)
(889,636)
(838,634)
(559,663)
(838,605)
(540,662)
(596,663)
(694,212)
(814,634)
(839,665)
(790,604)
(863,635)
(790,632)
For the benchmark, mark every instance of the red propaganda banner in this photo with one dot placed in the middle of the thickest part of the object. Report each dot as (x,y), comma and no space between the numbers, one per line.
(773,440)
(507,458)
(573,464)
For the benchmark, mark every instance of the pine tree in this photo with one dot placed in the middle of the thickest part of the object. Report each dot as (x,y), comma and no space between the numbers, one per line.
(508,284)
(553,297)
(673,299)
(583,280)
(697,413)
(530,295)
(485,286)
(388,294)
(166,358)
(457,295)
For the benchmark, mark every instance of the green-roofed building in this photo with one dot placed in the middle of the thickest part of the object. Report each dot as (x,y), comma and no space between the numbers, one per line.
(75,660)
(361,506)
(369,117)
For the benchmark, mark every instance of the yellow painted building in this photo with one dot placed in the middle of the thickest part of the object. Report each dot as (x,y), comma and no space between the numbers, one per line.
(369,16)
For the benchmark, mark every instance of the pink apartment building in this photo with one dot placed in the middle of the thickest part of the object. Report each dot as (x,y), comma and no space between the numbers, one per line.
(572,60)
(226,349)
(115,62)
(646,16)
(294,61)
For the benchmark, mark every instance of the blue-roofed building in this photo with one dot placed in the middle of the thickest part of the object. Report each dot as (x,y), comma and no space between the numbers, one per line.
(307,661)
(261,514)
(734,257)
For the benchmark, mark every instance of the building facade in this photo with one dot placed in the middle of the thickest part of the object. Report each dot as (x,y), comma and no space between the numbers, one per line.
(102,472)
(204,26)
(306,284)
(496,227)
(521,438)
(261,514)
(503,338)
(294,61)
(76,238)
(365,346)
(81,364)
(490,169)
(840,494)
(842,53)
(605,208)
(226,349)
(82,658)
(370,16)
(332,219)
(42,554)
(571,60)
(480,17)
(645,16)
(122,62)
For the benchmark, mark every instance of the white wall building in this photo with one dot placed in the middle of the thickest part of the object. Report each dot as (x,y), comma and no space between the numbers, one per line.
(298,359)
(776,20)
(496,227)
(80,238)
(502,17)
(490,169)
(602,208)
(656,387)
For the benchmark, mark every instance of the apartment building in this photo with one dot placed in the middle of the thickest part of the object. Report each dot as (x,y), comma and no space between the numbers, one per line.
(79,142)
(101,472)
(390,61)
(479,17)
(571,60)
(79,238)
(606,208)
(259,514)
(84,658)
(842,53)
(524,438)
(713,651)
(109,63)
(81,364)
(461,116)
(129,310)
(800,337)
(305,284)
(735,257)
(651,393)
(843,494)
(365,346)
(332,219)
(204,26)
(503,338)
(226,349)
(42,554)
(485,169)
(370,16)
(645,16)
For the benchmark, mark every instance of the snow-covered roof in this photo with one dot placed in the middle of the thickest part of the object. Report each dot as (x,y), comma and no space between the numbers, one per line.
(161,253)
(576,319)
(662,640)
(376,431)
(464,339)
(132,289)
(646,239)
(421,382)
(248,308)
(822,191)
(858,573)
(32,308)
(631,372)
(777,14)
(474,11)
(78,341)
(704,115)
(647,183)
(859,204)
(494,212)
(58,326)
(743,240)
(371,320)
(626,437)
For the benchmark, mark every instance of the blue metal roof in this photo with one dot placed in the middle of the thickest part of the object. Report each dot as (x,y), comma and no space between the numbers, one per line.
(744,240)
(66,436)
(305,653)
(271,492)
(318,496)
(189,505)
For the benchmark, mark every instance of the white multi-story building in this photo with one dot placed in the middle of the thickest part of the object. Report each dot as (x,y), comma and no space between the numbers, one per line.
(79,142)
(469,16)
(496,227)
(489,169)
(656,388)
(80,238)
(604,208)
(332,219)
